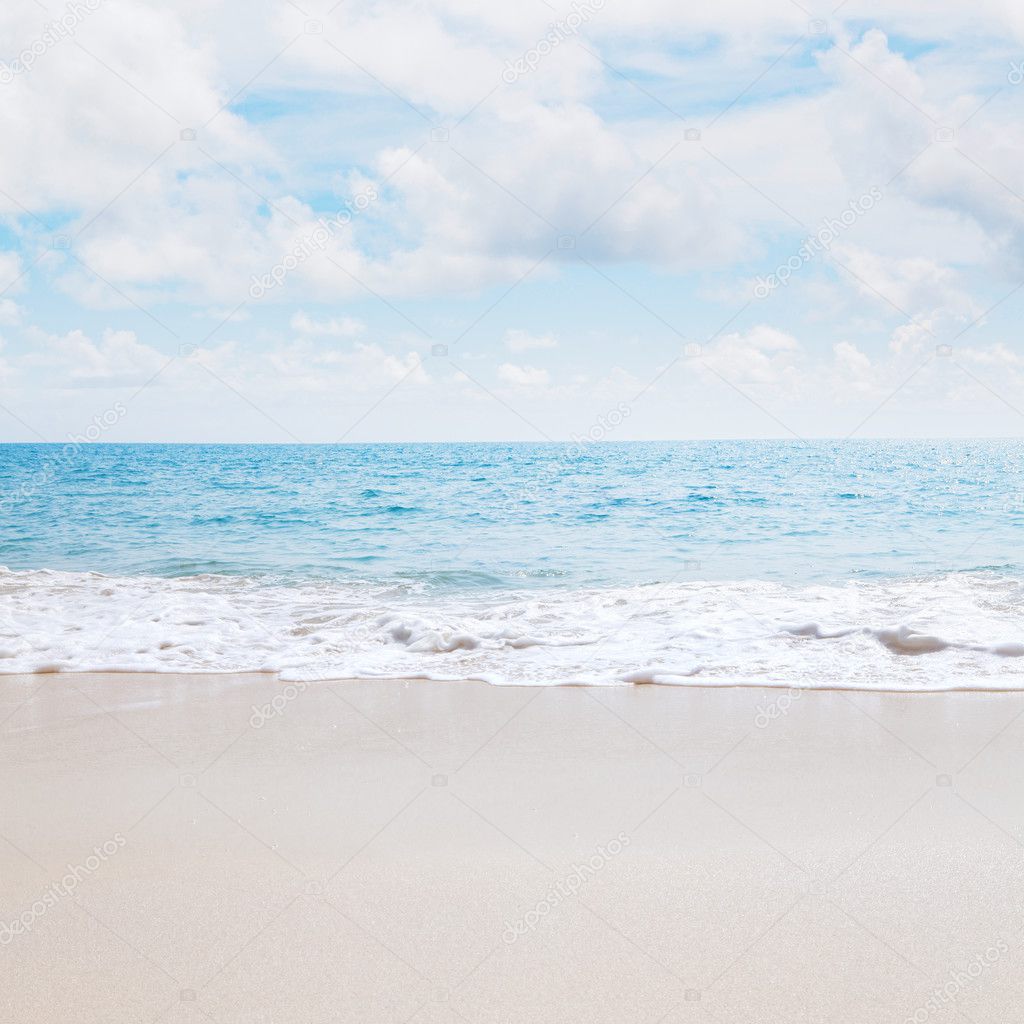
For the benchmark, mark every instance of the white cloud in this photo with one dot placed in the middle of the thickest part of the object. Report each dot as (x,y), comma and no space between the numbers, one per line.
(333,327)
(527,377)
(11,279)
(222,315)
(851,359)
(483,207)
(11,313)
(855,373)
(74,359)
(307,367)
(475,216)
(763,355)
(523,341)
(915,285)
(997,355)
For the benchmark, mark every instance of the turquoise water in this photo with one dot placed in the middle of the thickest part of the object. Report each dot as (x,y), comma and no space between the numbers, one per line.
(524,515)
(862,564)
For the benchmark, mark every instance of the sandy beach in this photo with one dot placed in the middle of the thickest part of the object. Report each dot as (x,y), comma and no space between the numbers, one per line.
(234,849)
(511,513)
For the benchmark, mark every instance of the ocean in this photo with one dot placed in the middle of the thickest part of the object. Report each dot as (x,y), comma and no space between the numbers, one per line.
(868,564)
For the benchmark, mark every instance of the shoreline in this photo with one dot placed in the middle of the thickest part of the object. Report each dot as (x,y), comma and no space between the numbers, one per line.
(285,680)
(399,851)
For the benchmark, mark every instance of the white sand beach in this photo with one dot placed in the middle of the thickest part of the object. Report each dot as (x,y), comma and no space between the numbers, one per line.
(389,851)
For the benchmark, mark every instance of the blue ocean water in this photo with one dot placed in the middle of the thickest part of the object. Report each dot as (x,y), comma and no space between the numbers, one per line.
(870,564)
(524,515)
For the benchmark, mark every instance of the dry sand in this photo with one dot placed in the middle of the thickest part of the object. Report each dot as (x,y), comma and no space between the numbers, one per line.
(427,852)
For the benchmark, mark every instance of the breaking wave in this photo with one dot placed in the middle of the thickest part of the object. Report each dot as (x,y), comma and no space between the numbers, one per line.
(949,631)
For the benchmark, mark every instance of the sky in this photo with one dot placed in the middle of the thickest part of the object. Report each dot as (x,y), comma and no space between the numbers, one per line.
(451,220)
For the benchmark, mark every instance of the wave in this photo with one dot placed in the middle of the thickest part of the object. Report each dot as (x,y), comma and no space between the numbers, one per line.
(951,631)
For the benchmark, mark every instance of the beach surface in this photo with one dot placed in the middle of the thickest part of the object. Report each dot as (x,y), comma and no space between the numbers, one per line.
(239,849)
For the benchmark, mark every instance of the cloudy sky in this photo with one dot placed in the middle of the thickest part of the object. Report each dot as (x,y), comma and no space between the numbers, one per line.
(404,220)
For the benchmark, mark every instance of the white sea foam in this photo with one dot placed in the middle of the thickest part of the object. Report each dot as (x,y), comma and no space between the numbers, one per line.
(943,632)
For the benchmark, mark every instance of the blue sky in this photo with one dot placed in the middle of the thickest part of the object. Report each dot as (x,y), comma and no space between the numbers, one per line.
(517,256)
